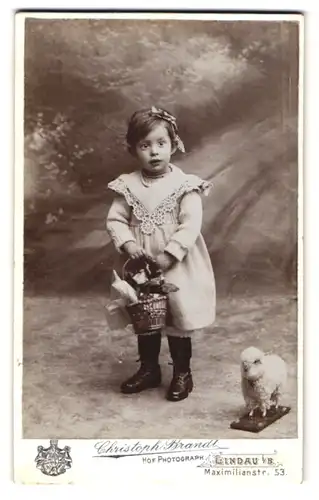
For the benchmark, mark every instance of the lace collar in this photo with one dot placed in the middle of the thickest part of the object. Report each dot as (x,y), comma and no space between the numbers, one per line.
(150,213)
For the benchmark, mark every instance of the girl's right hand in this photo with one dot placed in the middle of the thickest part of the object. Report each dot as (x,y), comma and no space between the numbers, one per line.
(133,250)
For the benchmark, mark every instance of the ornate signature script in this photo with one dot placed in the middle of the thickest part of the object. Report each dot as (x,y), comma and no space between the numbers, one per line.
(117,449)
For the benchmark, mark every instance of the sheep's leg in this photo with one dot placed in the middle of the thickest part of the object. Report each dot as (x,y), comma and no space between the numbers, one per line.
(265,406)
(252,407)
(249,406)
(275,398)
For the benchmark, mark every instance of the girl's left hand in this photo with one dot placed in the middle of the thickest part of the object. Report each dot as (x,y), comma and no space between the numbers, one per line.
(165,261)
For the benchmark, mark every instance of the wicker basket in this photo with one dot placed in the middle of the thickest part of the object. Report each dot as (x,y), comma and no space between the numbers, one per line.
(149,314)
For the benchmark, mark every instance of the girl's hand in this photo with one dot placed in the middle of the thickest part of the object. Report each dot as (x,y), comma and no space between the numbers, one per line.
(133,250)
(165,261)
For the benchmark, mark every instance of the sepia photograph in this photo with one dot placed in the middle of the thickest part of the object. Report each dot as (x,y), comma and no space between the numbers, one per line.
(160,251)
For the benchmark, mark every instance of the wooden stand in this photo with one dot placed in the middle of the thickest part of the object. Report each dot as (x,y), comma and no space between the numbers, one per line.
(257,423)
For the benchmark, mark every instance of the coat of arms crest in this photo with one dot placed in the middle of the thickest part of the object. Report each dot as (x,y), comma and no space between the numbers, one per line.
(53,461)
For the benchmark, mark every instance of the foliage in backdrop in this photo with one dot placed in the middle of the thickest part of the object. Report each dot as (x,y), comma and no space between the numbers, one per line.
(83,79)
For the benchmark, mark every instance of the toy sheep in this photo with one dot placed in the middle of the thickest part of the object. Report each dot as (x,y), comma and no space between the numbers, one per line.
(263,378)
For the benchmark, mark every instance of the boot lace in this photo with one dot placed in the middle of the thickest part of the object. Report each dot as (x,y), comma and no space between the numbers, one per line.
(180,378)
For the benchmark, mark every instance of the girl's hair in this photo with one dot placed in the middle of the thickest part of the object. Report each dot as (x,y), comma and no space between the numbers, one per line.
(144,120)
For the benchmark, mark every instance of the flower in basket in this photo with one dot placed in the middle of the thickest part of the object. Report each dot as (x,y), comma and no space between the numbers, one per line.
(157,286)
(140,271)
(124,289)
(147,278)
(150,312)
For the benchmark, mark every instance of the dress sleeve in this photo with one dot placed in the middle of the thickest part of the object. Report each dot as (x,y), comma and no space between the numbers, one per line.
(117,223)
(189,228)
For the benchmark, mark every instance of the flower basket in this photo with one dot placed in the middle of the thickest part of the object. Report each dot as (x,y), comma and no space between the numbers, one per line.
(150,312)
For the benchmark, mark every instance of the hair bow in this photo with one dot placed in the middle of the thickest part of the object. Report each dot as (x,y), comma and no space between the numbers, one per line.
(164,115)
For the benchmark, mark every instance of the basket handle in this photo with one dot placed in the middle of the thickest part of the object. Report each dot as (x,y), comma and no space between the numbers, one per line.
(147,258)
(124,267)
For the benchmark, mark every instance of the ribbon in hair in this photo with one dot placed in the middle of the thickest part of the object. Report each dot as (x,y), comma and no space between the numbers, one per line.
(164,115)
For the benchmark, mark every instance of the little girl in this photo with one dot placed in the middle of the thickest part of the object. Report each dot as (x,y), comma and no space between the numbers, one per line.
(158,212)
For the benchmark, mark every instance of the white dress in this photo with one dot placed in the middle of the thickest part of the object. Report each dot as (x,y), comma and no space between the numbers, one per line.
(168,216)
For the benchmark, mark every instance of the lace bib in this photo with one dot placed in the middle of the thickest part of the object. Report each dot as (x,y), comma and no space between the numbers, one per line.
(149,220)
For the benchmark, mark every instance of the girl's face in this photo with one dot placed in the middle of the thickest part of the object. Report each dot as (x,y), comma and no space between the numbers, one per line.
(155,150)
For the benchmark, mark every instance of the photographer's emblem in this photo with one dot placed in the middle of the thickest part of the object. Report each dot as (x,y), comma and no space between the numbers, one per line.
(53,461)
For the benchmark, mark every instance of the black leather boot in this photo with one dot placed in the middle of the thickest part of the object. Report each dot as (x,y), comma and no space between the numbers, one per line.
(182,382)
(149,373)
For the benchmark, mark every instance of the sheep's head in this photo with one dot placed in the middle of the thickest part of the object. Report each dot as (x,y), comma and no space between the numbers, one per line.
(252,366)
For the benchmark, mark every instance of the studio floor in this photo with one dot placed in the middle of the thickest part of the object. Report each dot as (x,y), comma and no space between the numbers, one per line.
(73,366)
